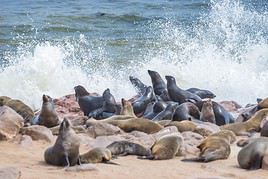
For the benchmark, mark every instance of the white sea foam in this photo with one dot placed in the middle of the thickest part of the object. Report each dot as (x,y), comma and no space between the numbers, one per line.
(227,53)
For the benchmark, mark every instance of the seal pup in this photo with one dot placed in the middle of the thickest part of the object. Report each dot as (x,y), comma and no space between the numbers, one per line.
(166,114)
(87,102)
(138,85)
(48,116)
(21,108)
(179,95)
(65,151)
(215,147)
(97,155)
(251,155)
(124,148)
(244,128)
(158,83)
(222,116)
(186,111)
(202,93)
(165,148)
(127,108)
(140,104)
(207,113)
(182,126)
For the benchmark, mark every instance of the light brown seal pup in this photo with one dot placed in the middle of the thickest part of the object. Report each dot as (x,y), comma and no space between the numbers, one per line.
(127,108)
(251,155)
(182,126)
(207,113)
(244,128)
(97,155)
(48,116)
(65,151)
(165,148)
(123,148)
(215,147)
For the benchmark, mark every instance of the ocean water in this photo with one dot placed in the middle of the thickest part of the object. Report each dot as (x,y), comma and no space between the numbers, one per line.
(48,47)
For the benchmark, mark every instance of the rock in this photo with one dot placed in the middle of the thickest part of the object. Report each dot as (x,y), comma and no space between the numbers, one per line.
(38,133)
(265,162)
(191,141)
(103,141)
(165,131)
(77,129)
(147,140)
(26,141)
(206,128)
(230,106)
(9,173)
(102,129)
(82,167)
(10,123)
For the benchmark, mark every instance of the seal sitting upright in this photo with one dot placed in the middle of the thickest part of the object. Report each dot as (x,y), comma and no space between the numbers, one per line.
(65,151)
(48,116)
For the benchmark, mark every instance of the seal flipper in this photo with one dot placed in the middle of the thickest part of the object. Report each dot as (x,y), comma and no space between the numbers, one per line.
(256,162)
(67,161)
(197,159)
(110,162)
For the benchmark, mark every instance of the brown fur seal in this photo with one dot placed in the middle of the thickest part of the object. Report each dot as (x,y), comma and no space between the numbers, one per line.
(48,116)
(87,102)
(65,151)
(166,114)
(244,128)
(128,148)
(165,148)
(138,124)
(127,108)
(22,109)
(215,147)
(138,85)
(97,155)
(158,83)
(264,129)
(179,95)
(202,93)
(182,126)
(186,111)
(207,113)
(251,155)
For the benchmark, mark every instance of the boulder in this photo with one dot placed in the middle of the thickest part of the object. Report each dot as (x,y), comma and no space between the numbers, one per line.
(38,132)
(9,173)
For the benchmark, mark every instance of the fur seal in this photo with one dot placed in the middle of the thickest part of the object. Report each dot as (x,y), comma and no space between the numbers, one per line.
(215,147)
(165,148)
(138,124)
(127,108)
(87,102)
(182,126)
(202,93)
(21,108)
(166,114)
(158,83)
(65,151)
(138,85)
(251,155)
(48,116)
(140,104)
(186,111)
(164,96)
(207,113)
(177,94)
(97,155)
(264,129)
(222,116)
(128,148)
(244,128)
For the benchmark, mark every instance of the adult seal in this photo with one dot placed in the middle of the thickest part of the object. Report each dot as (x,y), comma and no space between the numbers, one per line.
(166,114)
(48,116)
(207,113)
(202,93)
(251,156)
(124,148)
(158,83)
(138,85)
(65,151)
(179,95)
(186,111)
(87,102)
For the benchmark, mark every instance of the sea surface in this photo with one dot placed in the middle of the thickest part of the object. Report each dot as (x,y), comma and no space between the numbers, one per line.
(49,46)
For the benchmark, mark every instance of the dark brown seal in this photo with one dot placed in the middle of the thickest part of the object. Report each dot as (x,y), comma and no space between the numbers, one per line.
(202,93)
(65,151)
(158,83)
(138,85)
(186,111)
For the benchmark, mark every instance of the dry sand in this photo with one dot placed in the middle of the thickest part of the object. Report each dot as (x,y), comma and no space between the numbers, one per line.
(29,160)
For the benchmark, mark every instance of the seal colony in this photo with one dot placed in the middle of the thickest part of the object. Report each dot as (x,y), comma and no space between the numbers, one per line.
(153,111)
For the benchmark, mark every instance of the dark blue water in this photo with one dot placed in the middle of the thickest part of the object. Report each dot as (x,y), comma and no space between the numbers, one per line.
(216,44)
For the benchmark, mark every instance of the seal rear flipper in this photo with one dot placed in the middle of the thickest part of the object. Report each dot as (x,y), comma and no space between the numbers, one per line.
(149,157)
(110,162)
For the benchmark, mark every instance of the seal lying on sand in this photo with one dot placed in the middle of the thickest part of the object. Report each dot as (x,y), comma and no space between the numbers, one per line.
(244,128)
(123,148)
(165,148)
(179,95)
(251,155)
(48,116)
(65,151)
(215,147)
(87,102)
